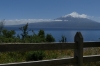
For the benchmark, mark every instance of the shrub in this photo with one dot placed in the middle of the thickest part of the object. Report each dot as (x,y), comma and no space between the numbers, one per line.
(50,38)
(35,56)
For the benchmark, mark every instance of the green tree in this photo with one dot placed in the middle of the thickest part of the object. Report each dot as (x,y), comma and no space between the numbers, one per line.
(63,39)
(50,38)
(1,26)
(8,36)
(24,30)
(41,35)
(8,33)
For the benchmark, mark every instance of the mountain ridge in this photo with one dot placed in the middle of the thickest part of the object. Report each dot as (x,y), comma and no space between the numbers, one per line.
(70,21)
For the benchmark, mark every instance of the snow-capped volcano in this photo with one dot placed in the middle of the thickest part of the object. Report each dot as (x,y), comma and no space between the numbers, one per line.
(70,21)
(76,15)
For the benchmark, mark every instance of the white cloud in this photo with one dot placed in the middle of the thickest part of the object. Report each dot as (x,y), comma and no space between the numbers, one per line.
(76,15)
(24,21)
(65,20)
(57,20)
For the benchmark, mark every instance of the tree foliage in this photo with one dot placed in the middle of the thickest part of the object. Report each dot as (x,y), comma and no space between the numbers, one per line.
(1,26)
(50,38)
(24,37)
(63,39)
(8,33)
(24,30)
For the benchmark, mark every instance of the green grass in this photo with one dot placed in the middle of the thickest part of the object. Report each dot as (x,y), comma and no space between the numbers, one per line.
(9,57)
(92,51)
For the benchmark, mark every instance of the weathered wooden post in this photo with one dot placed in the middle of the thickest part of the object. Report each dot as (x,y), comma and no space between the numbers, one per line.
(78,51)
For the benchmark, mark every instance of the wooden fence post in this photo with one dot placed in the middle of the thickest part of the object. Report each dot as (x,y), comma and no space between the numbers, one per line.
(78,52)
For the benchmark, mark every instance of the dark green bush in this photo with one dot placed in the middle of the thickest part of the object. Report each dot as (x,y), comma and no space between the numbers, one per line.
(35,56)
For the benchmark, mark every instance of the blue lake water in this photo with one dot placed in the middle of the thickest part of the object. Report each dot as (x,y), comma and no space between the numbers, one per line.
(88,35)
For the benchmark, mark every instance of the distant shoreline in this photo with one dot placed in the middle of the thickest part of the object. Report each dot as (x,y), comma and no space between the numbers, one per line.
(17,28)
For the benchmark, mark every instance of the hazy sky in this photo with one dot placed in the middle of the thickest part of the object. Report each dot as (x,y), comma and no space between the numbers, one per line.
(47,9)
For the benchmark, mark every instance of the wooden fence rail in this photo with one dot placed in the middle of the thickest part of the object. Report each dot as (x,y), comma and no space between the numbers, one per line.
(77,60)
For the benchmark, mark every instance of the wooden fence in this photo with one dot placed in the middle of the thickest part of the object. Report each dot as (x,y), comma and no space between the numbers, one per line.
(77,60)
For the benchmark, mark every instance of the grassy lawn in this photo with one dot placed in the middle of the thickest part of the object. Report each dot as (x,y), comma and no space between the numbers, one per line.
(8,57)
